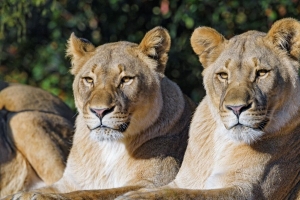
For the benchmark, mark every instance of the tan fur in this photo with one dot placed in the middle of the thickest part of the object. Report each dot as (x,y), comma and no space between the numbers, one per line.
(259,158)
(36,130)
(141,138)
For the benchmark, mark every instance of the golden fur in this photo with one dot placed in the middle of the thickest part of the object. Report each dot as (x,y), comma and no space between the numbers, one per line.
(245,134)
(132,127)
(36,131)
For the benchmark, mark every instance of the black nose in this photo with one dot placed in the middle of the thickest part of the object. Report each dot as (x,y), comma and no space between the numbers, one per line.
(237,110)
(102,111)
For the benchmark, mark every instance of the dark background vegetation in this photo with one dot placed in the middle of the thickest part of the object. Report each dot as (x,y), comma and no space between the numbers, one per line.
(33,33)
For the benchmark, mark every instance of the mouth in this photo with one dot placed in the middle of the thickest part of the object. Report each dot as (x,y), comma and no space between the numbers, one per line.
(239,126)
(122,128)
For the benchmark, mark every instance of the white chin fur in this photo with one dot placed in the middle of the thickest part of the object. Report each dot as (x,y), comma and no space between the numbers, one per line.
(245,134)
(242,134)
(106,134)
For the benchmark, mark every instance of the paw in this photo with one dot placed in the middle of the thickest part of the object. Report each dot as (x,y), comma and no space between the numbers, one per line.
(21,196)
(140,194)
(31,196)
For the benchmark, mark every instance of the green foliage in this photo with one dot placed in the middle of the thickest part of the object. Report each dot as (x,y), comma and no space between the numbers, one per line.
(33,33)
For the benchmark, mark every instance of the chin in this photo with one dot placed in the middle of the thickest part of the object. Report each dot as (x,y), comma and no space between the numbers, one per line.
(245,134)
(106,134)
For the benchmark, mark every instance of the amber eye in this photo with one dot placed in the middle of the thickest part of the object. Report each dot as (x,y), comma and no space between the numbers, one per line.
(88,80)
(262,72)
(126,80)
(223,75)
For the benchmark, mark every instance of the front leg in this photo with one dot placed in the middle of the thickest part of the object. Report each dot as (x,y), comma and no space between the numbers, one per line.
(184,194)
(31,195)
(48,192)
(105,194)
(76,195)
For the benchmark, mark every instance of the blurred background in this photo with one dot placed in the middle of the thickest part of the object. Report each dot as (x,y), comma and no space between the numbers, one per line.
(33,33)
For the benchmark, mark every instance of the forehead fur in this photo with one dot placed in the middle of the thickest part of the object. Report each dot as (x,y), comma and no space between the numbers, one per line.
(119,52)
(116,47)
(283,39)
(152,50)
(247,45)
(117,56)
(249,51)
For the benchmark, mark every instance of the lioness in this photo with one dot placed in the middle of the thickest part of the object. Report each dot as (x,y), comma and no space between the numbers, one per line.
(245,134)
(132,123)
(36,131)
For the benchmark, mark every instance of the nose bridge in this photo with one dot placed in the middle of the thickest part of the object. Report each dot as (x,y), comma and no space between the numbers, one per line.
(101,97)
(237,94)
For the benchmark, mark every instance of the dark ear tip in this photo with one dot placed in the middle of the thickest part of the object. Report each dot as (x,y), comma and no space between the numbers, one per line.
(85,40)
(164,30)
(81,39)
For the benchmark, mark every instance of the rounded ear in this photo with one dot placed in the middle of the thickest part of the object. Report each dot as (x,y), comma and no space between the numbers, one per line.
(207,44)
(285,34)
(156,45)
(78,50)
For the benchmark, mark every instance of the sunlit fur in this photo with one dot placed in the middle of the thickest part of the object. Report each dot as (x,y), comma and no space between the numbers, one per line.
(140,138)
(36,130)
(253,154)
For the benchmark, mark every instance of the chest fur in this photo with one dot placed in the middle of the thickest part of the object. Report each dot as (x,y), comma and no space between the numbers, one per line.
(233,163)
(100,166)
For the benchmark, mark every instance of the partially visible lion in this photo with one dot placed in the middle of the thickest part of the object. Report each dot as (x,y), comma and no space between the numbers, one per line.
(245,134)
(132,124)
(36,131)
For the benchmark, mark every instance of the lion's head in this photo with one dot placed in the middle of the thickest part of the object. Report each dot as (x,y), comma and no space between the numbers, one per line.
(251,79)
(117,85)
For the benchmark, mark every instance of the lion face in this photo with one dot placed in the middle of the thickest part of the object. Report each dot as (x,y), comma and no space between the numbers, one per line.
(114,94)
(117,85)
(248,80)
